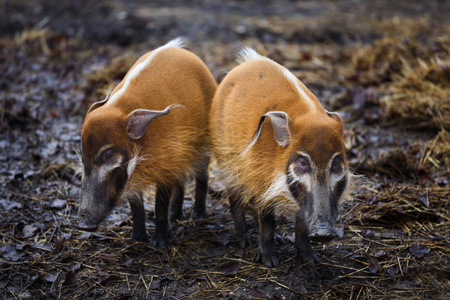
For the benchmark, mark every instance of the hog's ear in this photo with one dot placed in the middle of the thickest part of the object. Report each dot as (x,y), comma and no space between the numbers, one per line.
(139,119)
(335,116)
(97,104)
(280,125)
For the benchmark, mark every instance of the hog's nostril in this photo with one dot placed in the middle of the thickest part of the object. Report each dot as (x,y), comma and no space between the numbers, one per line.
(322,232)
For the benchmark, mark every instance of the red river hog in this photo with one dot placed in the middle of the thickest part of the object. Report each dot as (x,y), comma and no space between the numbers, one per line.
(280,152)
(151,130)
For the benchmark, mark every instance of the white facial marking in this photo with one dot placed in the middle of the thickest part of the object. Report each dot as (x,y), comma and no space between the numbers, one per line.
(335,178)
(80,166)
(106,168)
(132,165)
(278,188)
(304,179)
(114,162)
(176,43)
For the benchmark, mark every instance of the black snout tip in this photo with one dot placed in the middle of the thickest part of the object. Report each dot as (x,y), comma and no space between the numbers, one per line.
(322,238)
(322,233)
(86,226)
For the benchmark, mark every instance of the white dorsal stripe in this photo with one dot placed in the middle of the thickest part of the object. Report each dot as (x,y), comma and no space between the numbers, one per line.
(175,43)
(291,77)
(248,54)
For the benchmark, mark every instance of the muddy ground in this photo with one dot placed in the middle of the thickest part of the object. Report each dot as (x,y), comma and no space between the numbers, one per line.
(383,65)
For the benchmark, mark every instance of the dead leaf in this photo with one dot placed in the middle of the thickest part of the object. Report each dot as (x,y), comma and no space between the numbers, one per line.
(59,244)
(58,203)
(9,252)
(424,199)
(25,296)
(290,238)
(230,268)
(381,254)
(373,267)
(70,279)
(367,233)
(125,261)
(339,231)
(10,204)
(51,277)
(108,278)
(29,230)
(392,271)
(201,278)
(107,259)
(218,241)
(418,251)
(155,284)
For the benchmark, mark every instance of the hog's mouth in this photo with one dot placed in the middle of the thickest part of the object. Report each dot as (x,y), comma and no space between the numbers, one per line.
(322,232)
(87,225)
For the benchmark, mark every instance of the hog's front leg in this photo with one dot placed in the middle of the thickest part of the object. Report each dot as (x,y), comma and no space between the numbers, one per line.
(161,236)
(302,242)
(139,232)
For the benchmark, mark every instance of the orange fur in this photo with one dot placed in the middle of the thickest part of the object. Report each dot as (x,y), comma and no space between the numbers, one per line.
(172,145)
(247,92)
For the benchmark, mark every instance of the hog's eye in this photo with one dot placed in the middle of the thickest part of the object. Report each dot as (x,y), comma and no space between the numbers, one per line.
(106,155)
(336,167)
(303,164)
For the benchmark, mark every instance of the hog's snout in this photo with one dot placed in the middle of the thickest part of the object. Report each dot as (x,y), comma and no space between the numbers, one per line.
(322,232)
(84,224)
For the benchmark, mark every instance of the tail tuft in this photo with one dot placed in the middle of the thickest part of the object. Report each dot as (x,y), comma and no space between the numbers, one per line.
(248,54)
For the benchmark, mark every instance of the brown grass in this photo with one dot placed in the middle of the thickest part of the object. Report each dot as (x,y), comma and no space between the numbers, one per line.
(414,78)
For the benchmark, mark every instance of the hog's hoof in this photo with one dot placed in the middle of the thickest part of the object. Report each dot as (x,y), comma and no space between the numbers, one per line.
(140,237)
(195,215)
(244,242)
(308,257)
(161,240)
(160,243)
(176,216)
(268,260)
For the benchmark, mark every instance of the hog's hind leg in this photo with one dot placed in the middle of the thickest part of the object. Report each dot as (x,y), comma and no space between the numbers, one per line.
(201,190)
(266,251)
(238,214)
(176,202)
